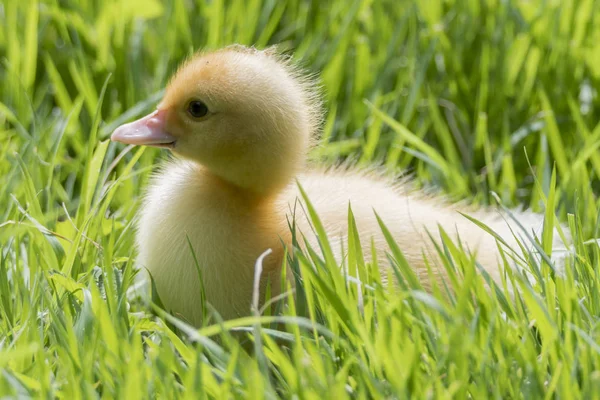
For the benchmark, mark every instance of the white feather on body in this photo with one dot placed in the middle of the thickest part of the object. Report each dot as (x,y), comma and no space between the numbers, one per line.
(228,231)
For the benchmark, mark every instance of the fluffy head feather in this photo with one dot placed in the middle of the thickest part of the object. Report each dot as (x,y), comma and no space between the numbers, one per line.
(262,116)
(247,116)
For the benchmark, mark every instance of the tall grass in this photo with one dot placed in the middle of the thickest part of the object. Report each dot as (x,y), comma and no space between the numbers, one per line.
(471,97)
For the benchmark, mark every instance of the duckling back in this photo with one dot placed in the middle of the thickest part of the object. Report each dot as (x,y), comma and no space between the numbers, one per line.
(412,217)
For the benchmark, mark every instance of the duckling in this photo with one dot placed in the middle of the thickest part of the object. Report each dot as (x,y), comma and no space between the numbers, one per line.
(241,122)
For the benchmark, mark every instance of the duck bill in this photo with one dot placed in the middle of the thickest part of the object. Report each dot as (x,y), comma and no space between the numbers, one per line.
(146,131)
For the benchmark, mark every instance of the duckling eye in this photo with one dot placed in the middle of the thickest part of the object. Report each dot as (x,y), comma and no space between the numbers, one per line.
(197,109)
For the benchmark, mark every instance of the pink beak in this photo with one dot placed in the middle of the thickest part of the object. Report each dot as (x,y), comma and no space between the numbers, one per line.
(146,131)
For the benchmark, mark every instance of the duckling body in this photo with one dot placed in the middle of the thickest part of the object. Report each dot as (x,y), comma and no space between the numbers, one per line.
(241,122)
(221,230)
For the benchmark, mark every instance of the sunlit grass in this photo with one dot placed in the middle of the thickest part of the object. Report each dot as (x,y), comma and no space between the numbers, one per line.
(472,98)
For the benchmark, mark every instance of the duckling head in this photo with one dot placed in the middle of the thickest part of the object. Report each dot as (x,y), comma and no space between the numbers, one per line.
(246,115)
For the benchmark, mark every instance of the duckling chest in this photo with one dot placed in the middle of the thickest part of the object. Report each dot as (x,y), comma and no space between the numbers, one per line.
(181,225)
(195,237)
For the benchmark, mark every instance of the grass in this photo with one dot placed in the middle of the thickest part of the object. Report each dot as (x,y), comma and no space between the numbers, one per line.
(473,98)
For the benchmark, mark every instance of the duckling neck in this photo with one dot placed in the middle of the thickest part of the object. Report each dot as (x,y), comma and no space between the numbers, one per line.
(261,178)
(261,165)
(247,192)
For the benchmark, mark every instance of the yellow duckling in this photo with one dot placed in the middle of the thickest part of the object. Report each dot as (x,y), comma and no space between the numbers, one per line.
(241,121)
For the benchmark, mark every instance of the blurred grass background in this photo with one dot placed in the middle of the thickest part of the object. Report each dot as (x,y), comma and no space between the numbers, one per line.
(470,97)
